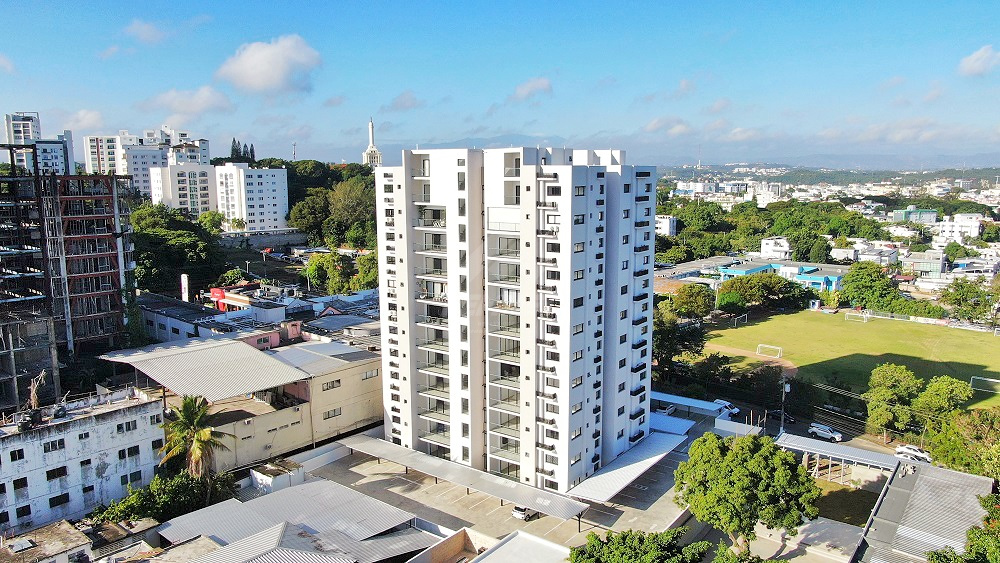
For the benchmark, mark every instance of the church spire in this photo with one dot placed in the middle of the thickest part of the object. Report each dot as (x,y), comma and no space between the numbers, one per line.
(371,156)
(371,132)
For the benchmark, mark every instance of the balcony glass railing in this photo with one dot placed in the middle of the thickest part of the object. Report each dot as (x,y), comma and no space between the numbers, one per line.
(443,438)
(505,252)
(509,380)
(440,368)
(437,414)
(430,223)
(510,429)
(506,406)
(438,391)
(512,200)
(434,344)
(432,320)
(510,279)
(511,172)
(505,305)
(431,296)
(432,272)
(507,452)
(506,355)
(420,247)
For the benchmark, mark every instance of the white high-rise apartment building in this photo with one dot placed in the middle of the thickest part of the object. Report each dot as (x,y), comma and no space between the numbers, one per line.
(188,187)
(125,153)
(55,156)
(259,196)
(517,307)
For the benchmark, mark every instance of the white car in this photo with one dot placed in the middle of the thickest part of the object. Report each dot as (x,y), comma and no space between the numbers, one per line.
(667,409)
(732,409)
(913,453)
(522,513)
(817,430)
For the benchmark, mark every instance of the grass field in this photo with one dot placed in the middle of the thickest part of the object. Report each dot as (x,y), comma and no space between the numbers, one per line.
(845,504)
(827,346)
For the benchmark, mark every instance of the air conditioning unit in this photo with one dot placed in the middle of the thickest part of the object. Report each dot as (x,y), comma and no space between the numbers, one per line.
(248,421)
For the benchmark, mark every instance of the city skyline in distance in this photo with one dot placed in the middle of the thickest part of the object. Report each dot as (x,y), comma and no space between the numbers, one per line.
(888,86)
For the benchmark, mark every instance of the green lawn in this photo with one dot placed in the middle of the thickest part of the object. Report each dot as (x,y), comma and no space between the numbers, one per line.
(823,346)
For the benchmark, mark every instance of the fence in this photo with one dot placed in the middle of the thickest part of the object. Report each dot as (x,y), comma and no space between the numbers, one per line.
(950,323)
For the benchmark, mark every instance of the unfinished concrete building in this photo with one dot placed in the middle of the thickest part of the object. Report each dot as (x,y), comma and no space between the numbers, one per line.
(64,260)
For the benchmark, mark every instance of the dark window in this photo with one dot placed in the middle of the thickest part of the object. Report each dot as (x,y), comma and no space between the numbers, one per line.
(84,463)
(55,473)
(4,517)
(17,455)
(578,302)
(23,511)
(59,500)
(157,444)
(88,489)
(3,488)
(20,483)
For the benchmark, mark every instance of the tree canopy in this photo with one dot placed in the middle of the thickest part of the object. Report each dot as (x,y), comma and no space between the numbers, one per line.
(767,290)
(632,546)
(693,300)
(168,245)
(866,285)
(166,497)
(891,389)
(733,483)
(973,300)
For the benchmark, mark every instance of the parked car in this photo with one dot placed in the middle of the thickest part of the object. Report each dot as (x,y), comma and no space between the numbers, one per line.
(817,430)
(668,408)
(913,453)
(776,415)
(727,406)
(522,513)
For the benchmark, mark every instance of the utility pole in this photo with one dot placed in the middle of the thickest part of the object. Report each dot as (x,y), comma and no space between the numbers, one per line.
(248,267)
(784,389)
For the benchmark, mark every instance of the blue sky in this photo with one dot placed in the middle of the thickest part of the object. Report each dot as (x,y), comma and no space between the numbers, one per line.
(730,81)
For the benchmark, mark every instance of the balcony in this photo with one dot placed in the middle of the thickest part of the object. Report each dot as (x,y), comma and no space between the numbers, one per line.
(420,172)
(639,321)
(549,396)
(512,200)
(638,345)
(505,305)
(546,204)
(437,368)
(511,253)
(437,344)
(544,342)
(505,380)
(512,331)
(512,356)
(546,260)
(438,273)
(640,248)
(547,472)
(442,438)
(549,369)
(422,198)
(639,367)
(430,223)
(508,429)
(506,279)
(546,447)
(640,297)
(430,320)
(545,232)
(638,391)
(510,453)
(430,296)
(546,315)
(390,222)
(506,406)
(432,248)
(511,172)
(437,415)
(438,391)
(541,287)
(543,420)
(637,436)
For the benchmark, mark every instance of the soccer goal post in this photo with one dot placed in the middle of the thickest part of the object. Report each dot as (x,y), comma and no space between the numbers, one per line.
(769,351)
(740,319)
(986,384)
(857,317)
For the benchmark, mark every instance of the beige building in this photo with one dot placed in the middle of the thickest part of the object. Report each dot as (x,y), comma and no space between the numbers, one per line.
(268,402)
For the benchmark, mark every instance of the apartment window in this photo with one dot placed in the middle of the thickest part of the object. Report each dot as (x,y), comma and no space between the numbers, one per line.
(627,188)
(332,413)
(461,207)
(331,384)
(552,275)
(625,213)
(621,411)
(369,374)
(551,434)
(156,444)
(56,473)
(23,511)
(578,355)
(20,483)
(578,274)
(551,355)
(577,329)
(621,363)
(555,190)
(551,459)
(552,408)
(578,219)
(463,283)
(155,419)
(128,426)
(461,233)
(578,302)
(624,239)
(465,358)
(552,247)
(552,329)
(17,455)
(465,406)
(461,162)
(465,453)
(576,408)
(465,430)
(624,264)
(394,397)
(54,445)
(621,339)
(59,500)
(463,333)
(551,382)
(624,289)
(579,190)
(622,315)
(577,381)
(463,308)
(88,489)
(462,258)
(578,247)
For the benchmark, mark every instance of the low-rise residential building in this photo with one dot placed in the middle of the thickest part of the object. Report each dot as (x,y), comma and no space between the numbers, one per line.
(666,225)
(168,319)
(65,460)
(913,215)
(58,542)
(775,248)
(821,277)
(931,263)
(958,227)
(881,256)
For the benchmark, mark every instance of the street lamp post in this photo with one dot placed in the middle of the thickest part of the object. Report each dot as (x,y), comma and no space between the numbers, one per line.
(784,389)
(248,267)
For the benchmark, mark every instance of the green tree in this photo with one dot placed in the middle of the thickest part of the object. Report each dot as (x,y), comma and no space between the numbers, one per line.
(820,252)
(982,543)
(732,303)
(231,277)
(971,300)
(891,389)
(167,497)
(693,300)
(954,250)
(367,275)
(189,433)
(212,221)
(725,554)
(735,482)
(308,215)
(671,338)
(942,396)
(866,285)
(639,547)
(969,441)
(237,224)
(318,269)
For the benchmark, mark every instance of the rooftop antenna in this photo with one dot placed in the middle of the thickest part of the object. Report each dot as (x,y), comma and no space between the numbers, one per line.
(293,151)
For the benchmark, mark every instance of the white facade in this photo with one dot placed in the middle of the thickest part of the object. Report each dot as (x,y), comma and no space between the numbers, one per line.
(55,156)
(126,153)
(775,248)
(666,225)
(188,187)
(65,466)
(958,227)
(516,307)
(372,156)
(259,196)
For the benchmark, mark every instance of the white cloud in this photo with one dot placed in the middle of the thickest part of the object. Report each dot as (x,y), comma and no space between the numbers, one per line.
(186,105)
(891,82)
(980,62)
(334,101)
(530,88)
(145,32)
(674,126)
(717,125)
(907,131)
(739,135)
(405,101)
(901,102)
(283,65)
(85,120)
(935,93)
(684,88)
(719,106)
(6,65)
(109,52)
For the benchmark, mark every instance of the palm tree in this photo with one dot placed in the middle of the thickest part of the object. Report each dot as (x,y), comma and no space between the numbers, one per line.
(190,433)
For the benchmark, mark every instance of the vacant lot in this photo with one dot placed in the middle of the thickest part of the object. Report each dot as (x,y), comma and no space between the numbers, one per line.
(269,268)
(845,504)
(827,346)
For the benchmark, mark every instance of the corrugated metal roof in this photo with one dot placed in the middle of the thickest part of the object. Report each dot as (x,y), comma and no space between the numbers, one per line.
(836,451)
(213,369)
(670,424)
(615,476)
(541,500)
(685,401)
(320,358)
(217,522)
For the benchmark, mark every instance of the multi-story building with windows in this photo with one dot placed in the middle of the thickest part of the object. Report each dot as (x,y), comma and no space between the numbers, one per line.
(517,307)
(126,153)
(258,196)
(188,187)
(55,156)
(65,460)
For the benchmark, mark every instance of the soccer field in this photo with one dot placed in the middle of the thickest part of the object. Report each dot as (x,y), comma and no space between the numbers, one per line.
(823,346)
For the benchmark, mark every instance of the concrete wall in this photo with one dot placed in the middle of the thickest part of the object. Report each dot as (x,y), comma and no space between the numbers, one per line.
(264,240)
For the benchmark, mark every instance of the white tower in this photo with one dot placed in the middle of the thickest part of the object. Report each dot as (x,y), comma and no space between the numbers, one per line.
(372,157)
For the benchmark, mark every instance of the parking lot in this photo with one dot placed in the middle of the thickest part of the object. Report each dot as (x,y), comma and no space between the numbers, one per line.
(647,504)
